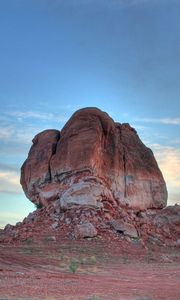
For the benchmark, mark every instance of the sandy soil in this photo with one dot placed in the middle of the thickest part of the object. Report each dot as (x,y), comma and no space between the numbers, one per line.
(103,269)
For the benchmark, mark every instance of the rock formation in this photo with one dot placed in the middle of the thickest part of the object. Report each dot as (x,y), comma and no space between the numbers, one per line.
(93,162)
(95,177)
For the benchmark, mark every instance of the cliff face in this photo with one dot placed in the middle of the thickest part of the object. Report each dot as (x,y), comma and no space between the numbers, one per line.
(93,162)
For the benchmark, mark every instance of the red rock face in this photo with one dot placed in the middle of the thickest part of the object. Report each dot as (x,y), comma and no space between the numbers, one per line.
(93,162)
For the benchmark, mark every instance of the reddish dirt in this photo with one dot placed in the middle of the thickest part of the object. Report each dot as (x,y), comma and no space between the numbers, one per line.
(106,269)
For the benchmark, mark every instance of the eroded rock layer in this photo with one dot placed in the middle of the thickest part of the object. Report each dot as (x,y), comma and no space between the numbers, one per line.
(93,162)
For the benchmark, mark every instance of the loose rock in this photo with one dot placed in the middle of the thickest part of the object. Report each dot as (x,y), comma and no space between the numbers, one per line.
(86,230)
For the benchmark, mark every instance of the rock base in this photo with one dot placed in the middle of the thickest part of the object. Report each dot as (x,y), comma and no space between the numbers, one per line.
(155,226)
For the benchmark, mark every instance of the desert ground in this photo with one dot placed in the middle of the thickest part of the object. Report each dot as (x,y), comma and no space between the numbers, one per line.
(103,268)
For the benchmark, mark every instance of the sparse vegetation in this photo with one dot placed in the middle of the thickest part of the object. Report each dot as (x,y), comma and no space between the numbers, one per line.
(93,298)
(136,241)
(73,265)
(149,256)
(125,258)
(92,260)
(28,241)
(143,298)
(27,251)
(78,263)
(50,238)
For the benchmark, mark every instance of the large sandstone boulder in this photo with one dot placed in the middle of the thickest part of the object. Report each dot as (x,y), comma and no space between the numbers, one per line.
(91,161)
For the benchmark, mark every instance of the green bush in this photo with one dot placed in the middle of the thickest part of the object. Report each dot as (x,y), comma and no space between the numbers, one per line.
(73,266)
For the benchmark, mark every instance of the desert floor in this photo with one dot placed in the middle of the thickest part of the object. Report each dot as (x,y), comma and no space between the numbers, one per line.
(97,269)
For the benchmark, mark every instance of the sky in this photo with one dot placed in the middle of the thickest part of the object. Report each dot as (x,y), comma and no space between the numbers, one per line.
(56,56)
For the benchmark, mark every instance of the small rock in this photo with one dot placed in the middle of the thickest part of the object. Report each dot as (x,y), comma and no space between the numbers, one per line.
(125,228)
(56,216)
(107,216)
(165,258)
(86,230)
(127,238)
(67,221)
(54,225)
(8,227)
(51,238)
(88,214)
(19,273)
(57,207)
(178,243)
(30,218)
(62,218)
(18,224)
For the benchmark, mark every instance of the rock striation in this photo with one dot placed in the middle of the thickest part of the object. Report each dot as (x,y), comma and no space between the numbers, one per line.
(93,162)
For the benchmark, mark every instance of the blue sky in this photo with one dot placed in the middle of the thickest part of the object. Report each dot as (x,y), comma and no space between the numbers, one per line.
(57,56)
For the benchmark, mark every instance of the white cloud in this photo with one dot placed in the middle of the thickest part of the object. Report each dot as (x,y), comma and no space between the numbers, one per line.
(11,217)
(175,141)
(168,121)
(139,127)
(38,115)
(23,134)
(139,2)
(9,182)
(6,132)
(6,167)
(174,198)
(168,159)
(171,121)
(133,2)
(125,3)
(17,128)
(113,4)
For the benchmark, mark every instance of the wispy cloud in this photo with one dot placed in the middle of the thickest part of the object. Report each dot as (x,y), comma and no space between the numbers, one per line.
(21,126)
(175,141)
(38,115)
(18,128)
(6,167)
(168,159)
(174,198)
(9,182)
(110,3)
(12,217)
(6,132)
(18,134)
(130,3)
(167,121)
(117,3)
